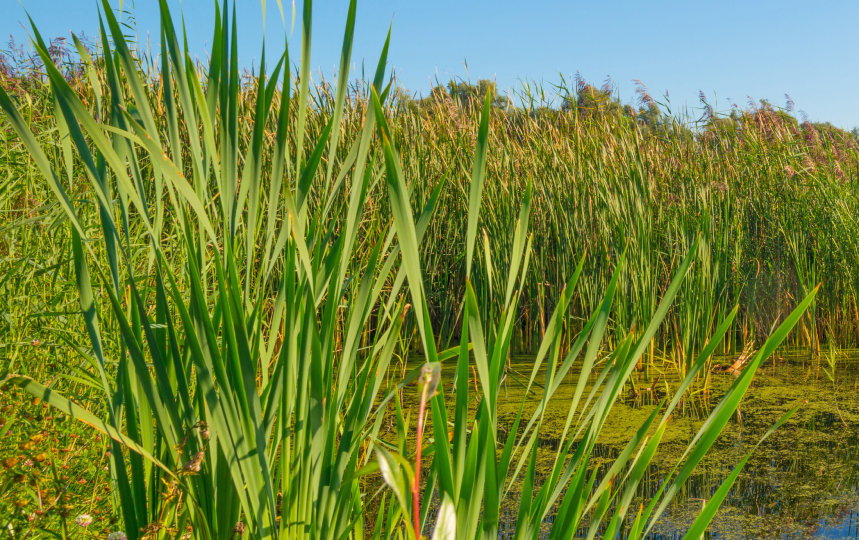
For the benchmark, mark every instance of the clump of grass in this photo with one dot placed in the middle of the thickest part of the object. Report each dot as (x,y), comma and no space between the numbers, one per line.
(256,292)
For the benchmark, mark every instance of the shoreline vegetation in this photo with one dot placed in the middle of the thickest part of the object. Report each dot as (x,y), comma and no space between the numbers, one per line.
(226,268)
(776,199)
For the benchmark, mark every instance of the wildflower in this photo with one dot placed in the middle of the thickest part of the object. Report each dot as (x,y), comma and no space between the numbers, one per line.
(84,520)
(788,170)
(118,535)
(28,462)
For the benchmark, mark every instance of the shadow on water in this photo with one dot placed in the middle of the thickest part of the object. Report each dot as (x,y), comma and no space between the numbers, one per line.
(802,482)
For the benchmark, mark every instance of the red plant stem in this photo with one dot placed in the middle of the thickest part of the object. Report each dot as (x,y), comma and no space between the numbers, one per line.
(416,499)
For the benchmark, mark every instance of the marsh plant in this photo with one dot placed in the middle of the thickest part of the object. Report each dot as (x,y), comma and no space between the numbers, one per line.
(241,322)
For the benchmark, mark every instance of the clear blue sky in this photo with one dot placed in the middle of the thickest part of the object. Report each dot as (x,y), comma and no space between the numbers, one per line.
(729,50)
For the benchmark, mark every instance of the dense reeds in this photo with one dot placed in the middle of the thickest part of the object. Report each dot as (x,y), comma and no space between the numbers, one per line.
(250,257)
(776,201)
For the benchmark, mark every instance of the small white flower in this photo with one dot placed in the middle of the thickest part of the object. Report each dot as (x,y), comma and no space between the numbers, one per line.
(84,520)
(118,535)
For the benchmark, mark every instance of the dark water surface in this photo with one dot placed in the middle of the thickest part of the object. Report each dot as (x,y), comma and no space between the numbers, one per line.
(802,482)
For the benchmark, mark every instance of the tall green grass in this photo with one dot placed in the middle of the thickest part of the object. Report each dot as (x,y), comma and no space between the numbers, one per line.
(776,203)
(249,262)
(775,199)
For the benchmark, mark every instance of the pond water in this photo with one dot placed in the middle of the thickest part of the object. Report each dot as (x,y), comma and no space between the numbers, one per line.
(802,482)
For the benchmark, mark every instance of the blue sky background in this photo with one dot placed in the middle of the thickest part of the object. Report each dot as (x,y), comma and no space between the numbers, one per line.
(730,50)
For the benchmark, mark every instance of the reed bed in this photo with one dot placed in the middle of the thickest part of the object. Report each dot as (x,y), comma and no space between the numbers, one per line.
(776,200)
(249,256)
